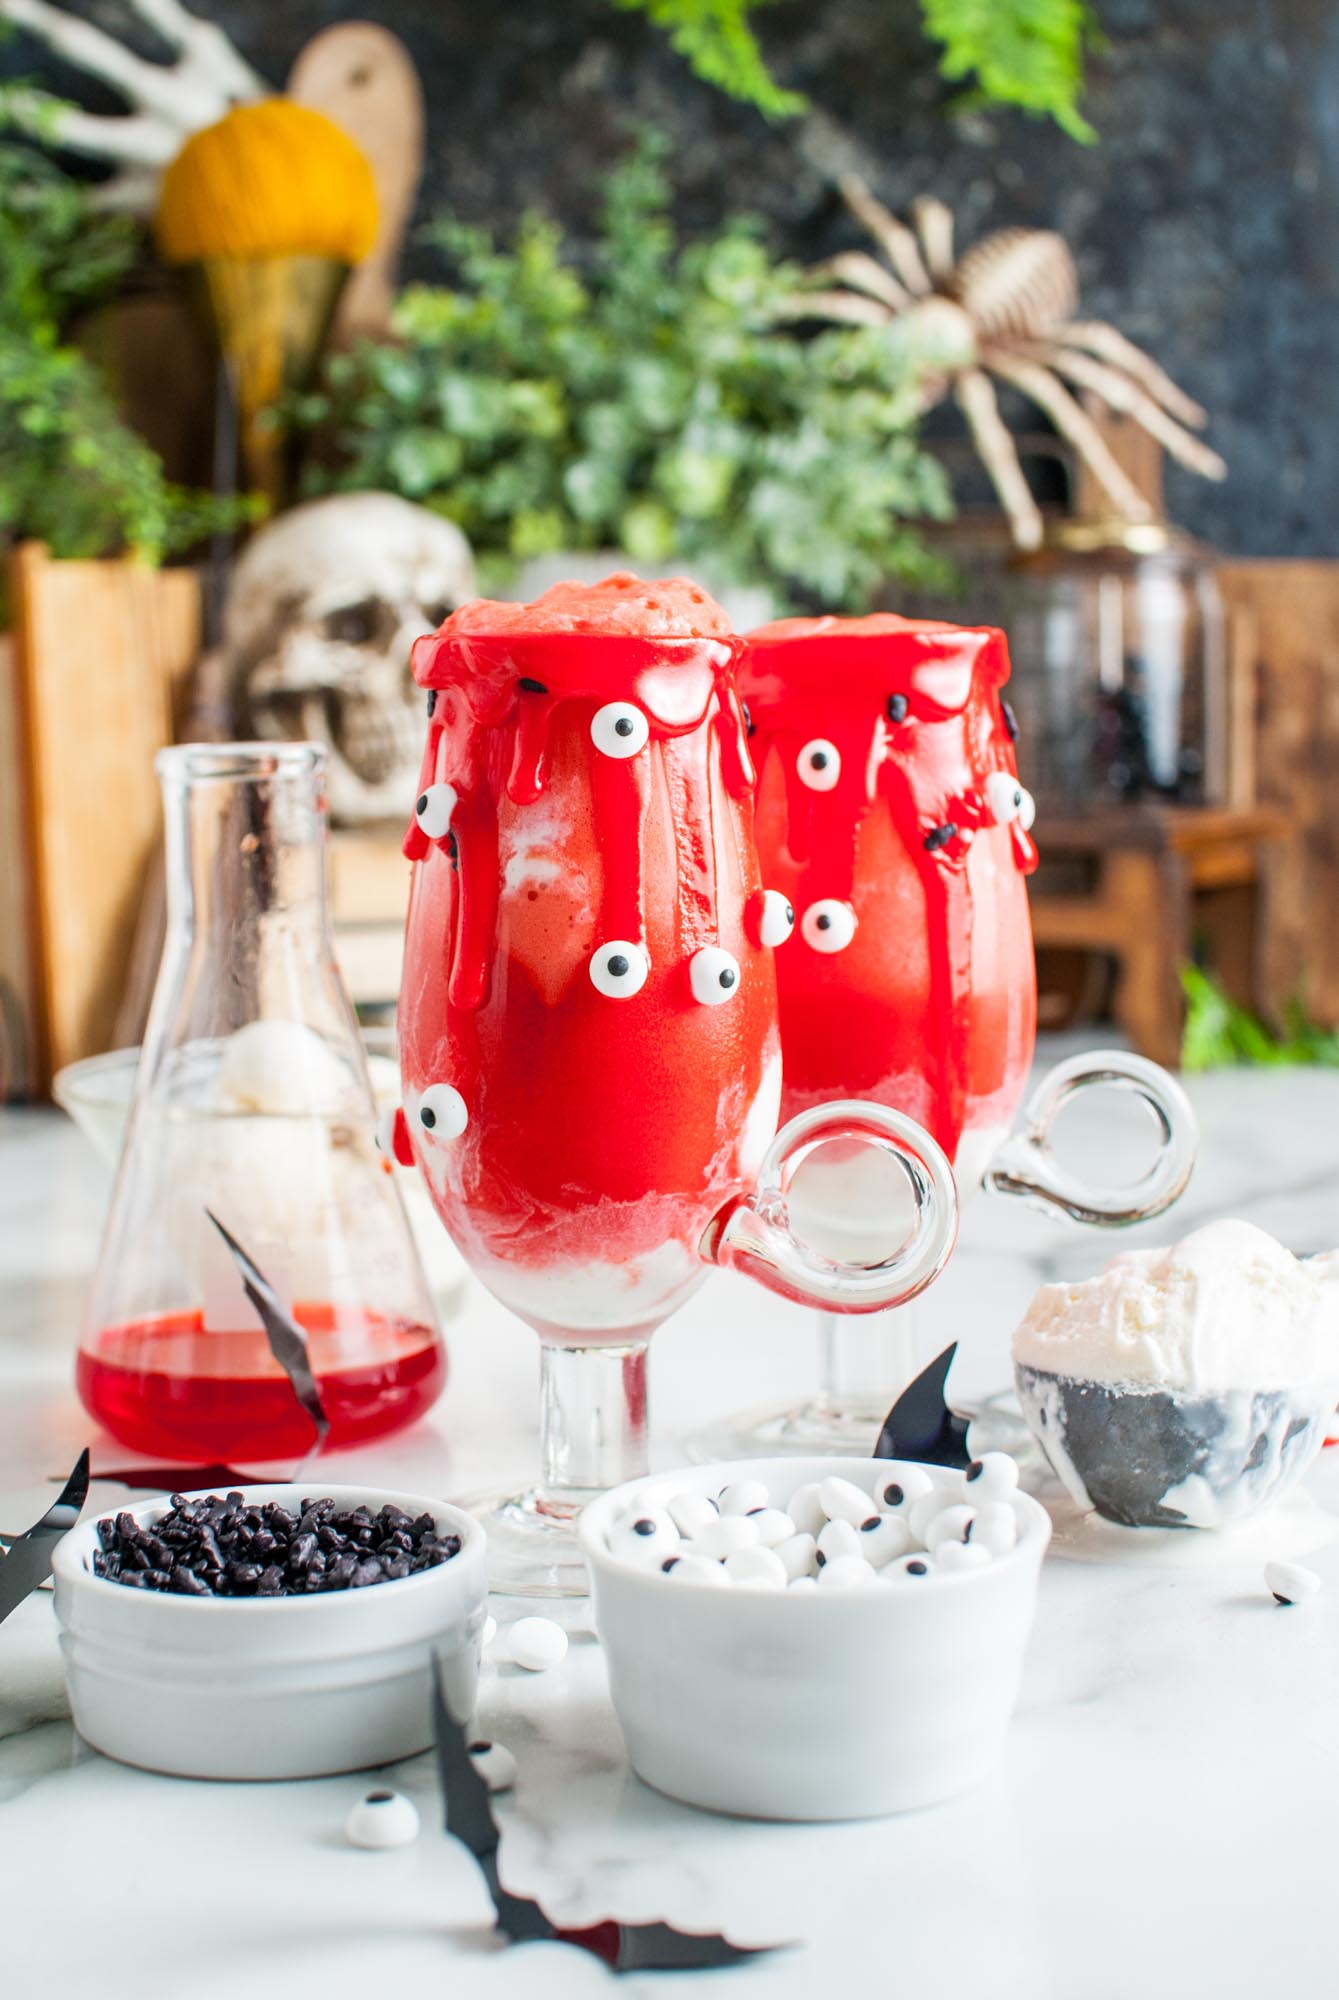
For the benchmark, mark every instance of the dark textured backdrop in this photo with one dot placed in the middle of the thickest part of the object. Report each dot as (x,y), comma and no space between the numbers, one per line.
(1206,221)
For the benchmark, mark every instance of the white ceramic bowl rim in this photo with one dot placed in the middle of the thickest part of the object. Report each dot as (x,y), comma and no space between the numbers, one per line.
(71,1558)
(595,1520)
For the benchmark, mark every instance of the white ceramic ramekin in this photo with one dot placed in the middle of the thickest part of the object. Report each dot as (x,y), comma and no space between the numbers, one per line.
(840,1704)
(289,1687)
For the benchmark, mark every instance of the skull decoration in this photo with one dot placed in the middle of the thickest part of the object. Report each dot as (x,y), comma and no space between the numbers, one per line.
(322,610)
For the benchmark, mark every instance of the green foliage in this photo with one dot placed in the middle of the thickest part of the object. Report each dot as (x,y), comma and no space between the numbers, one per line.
(715,39)
(652,404)
(1027,53)
(1023,52)
(1219,1034)
(71,473)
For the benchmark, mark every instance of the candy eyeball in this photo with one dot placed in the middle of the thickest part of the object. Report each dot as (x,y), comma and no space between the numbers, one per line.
(828,925)
(495,1764)
(714,974)
(1004,797)
(619,970)
(819,764)
(442,1111)
(619,729)
(433,809)
(900,1490)
(382,1819)
(993,1476)
(778,917)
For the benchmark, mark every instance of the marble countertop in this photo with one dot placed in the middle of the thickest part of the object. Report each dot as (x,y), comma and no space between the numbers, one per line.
(1161,1827)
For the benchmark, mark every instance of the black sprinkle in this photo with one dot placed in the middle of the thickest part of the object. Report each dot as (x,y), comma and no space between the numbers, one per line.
(480,1749)
(378,1798)
(453,850)
(533,687)
(670,1562)
(820,1559)
(432,701)
(1010,719)
(819,760)
(974,1470)
(967,1531)
(427,1117)
(1279,1598)
(893,1496)
(867,1527)
(754,1510)
(222,1548)
(898,706)
(790,913)
(940,836)
(623,727)
(616,966)
(643,1527)
(823,923)
(422,805)
(727,979)
(749,724)
(917,1569)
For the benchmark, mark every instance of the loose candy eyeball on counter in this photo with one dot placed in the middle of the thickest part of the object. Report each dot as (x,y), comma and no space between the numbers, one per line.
(882,1537)
(645,1536)
(494,1763)
(837,1539)
(713,974)
(537,1644)
(899,1491)
(1291,1583)
(746,1496)
(841,1500)
(382,1819)
(696,1569)
(806,1509)
(951,1524)
(756,1569)
(619,729)
(690,1512)
(619,969)
(993,1476)
(778,917)
(995,1528)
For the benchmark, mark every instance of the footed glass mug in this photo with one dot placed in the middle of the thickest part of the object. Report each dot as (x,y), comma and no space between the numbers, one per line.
(891,818)
(588,1028)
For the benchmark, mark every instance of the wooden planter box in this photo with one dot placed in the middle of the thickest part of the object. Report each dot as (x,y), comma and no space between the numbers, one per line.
(91,678)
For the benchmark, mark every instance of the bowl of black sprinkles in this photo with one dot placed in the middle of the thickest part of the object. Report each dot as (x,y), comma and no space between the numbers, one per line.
(271,1631)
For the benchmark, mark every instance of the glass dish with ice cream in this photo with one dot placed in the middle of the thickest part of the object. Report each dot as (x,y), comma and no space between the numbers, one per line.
(1188,1387)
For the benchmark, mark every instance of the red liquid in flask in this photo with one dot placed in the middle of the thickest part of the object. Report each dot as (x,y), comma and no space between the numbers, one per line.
(165,1386)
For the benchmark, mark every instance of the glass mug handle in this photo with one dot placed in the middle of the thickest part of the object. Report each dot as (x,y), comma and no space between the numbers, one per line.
(1025,1166)
(755,1236)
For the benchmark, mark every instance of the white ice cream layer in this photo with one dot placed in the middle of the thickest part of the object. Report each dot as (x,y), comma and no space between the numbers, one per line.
(1227,1308)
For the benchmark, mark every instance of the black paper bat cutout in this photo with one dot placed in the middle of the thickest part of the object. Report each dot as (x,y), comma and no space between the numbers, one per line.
(921,1426)
(626,1947)
(27,1565)
(288,1342)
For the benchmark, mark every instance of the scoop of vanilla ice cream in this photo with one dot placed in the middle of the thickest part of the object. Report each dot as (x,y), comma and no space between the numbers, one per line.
(1226,1308)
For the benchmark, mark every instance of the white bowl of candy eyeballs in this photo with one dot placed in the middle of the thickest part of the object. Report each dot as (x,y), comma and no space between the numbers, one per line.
(272,1632)
(815,1639)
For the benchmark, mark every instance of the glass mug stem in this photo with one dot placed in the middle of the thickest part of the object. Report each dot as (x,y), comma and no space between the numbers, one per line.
(592,1422)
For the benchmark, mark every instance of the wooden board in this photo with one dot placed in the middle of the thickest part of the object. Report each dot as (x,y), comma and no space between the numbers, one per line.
(1290,610)
(104,650)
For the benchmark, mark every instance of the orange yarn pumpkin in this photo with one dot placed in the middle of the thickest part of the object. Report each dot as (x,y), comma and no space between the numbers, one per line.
(273,179)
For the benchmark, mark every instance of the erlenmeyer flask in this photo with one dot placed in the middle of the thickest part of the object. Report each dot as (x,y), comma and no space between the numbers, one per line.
(252,1099)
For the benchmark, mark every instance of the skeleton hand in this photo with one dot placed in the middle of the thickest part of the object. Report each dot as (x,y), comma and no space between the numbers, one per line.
(168,101)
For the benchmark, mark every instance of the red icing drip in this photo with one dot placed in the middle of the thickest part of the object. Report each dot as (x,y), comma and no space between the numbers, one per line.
(928,1008)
